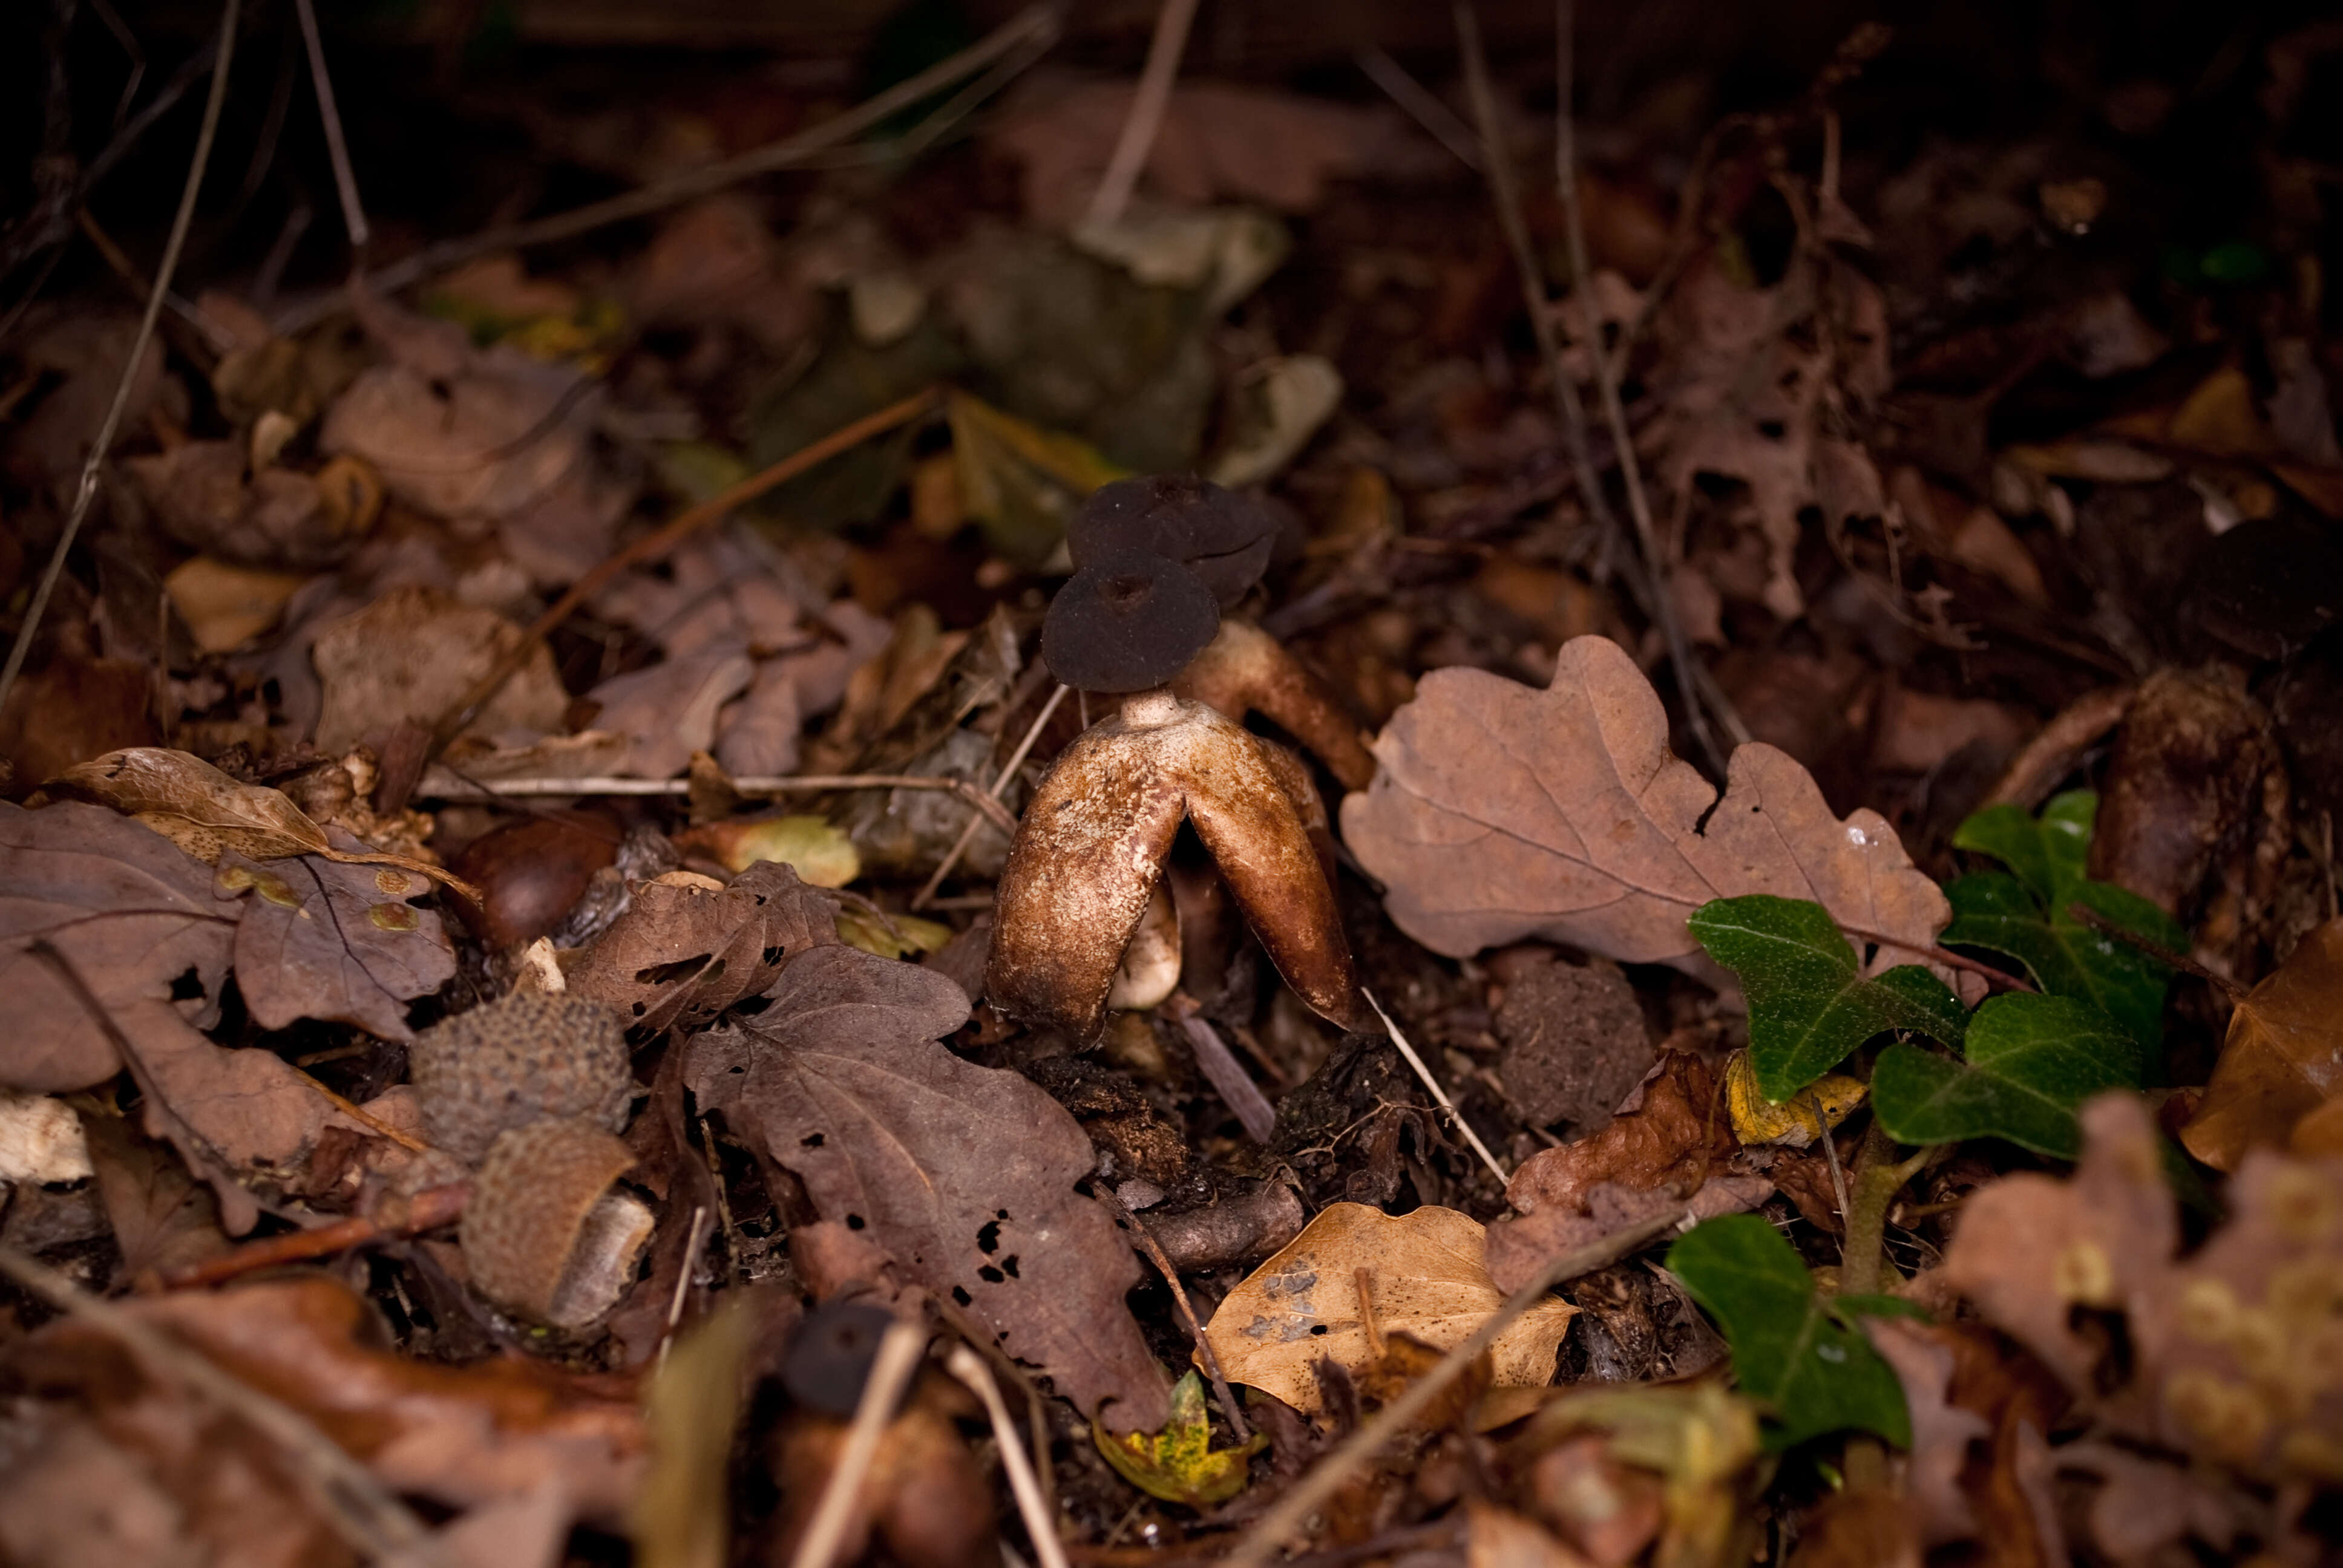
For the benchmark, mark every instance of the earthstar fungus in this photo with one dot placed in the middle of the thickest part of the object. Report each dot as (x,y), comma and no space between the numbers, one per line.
(1091,847)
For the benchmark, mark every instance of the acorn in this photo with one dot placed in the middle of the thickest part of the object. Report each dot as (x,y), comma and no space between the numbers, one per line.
(525,1058)
(545,1235)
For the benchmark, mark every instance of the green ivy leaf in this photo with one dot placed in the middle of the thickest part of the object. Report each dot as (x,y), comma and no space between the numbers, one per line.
(1787,1353)
(2022,913)
(2030,1061)
(1809,1003)
(1178,1463)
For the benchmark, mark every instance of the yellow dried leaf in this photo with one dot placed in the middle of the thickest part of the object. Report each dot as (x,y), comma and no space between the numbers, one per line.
(1829,1099)
(1356,1276)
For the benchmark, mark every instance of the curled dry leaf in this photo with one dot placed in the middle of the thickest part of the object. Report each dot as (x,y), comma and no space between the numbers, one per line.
(1942,1432)
(2283,1057)
(1499,811)
(1354,1277)
(680,955)
(335,941)
(966,1174)
(206,812)
(2235,1355)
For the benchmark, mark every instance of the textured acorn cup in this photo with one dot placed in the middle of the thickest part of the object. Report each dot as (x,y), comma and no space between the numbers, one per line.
(1127,622)
(1090,849)
(519,1059)
(1225,538)
(529,1233)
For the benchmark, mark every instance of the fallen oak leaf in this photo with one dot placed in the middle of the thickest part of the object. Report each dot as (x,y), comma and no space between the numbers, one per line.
(333,940)
(1499,811)
(1357,1275)
(966,1174)
(2282,1059)
(206,812)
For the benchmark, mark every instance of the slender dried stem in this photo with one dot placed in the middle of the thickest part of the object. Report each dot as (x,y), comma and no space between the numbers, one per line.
(1455,1116)
(427,1211)
(1040,1528)
(1027,33)
(750,784)
(103,443)
(345,180)
(1146,116)
(1000,783)
(1144,1240)
(882,1388)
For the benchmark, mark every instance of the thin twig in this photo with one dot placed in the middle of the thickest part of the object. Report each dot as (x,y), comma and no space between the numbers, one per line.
(1222,1069)
(1001,782)
(1454,1116)
(1313,1491)
(692,1245)
(1146,116)
(1438,120)
(1144,1240)
(346,1494)
(1606,380)
(1039,1527)
(1029,30)
(882,1387)
(427,1211)
(660,541)
(750,784)
(2157,950)
(1936,954)
(104,441)
(345,180)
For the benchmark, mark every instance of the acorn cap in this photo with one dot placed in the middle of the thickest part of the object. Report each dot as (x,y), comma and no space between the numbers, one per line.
(522,1059)
(543,1235)
(829,1356)
(1224,537)
(1128,621)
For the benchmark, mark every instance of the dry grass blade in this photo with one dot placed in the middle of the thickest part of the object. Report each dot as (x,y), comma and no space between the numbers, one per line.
(103,443)
(890,1374)
(1039,1528)
(344,1494)
(1313,1491)
(1146,106)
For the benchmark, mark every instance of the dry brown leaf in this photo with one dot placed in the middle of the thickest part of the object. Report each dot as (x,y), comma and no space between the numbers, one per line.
(482,443)
(1667,1135)
(2283,1058)
(1499,811)
(669,710)
(2235,1355)
(226,606)
(162,1218)
(276,517)
(1942,1432)
(1499,1538)
(334,941)
(680,955)
(1354,1277)
(208,814)
(412,654)
(966,1174)
(464,1437)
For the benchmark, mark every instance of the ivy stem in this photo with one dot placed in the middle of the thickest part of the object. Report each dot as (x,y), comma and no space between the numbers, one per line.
(1878,1177)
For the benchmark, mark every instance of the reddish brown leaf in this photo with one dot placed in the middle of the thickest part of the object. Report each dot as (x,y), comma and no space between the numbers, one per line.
(680,955)
(1500,811)
(2283,1058)
(330,940)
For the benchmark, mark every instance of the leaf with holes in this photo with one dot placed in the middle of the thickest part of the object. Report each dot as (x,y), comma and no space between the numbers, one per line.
(1788,1353)
(965,1174)
(2022,913)
(2029,1061)
(1809,1003)
(682,954)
